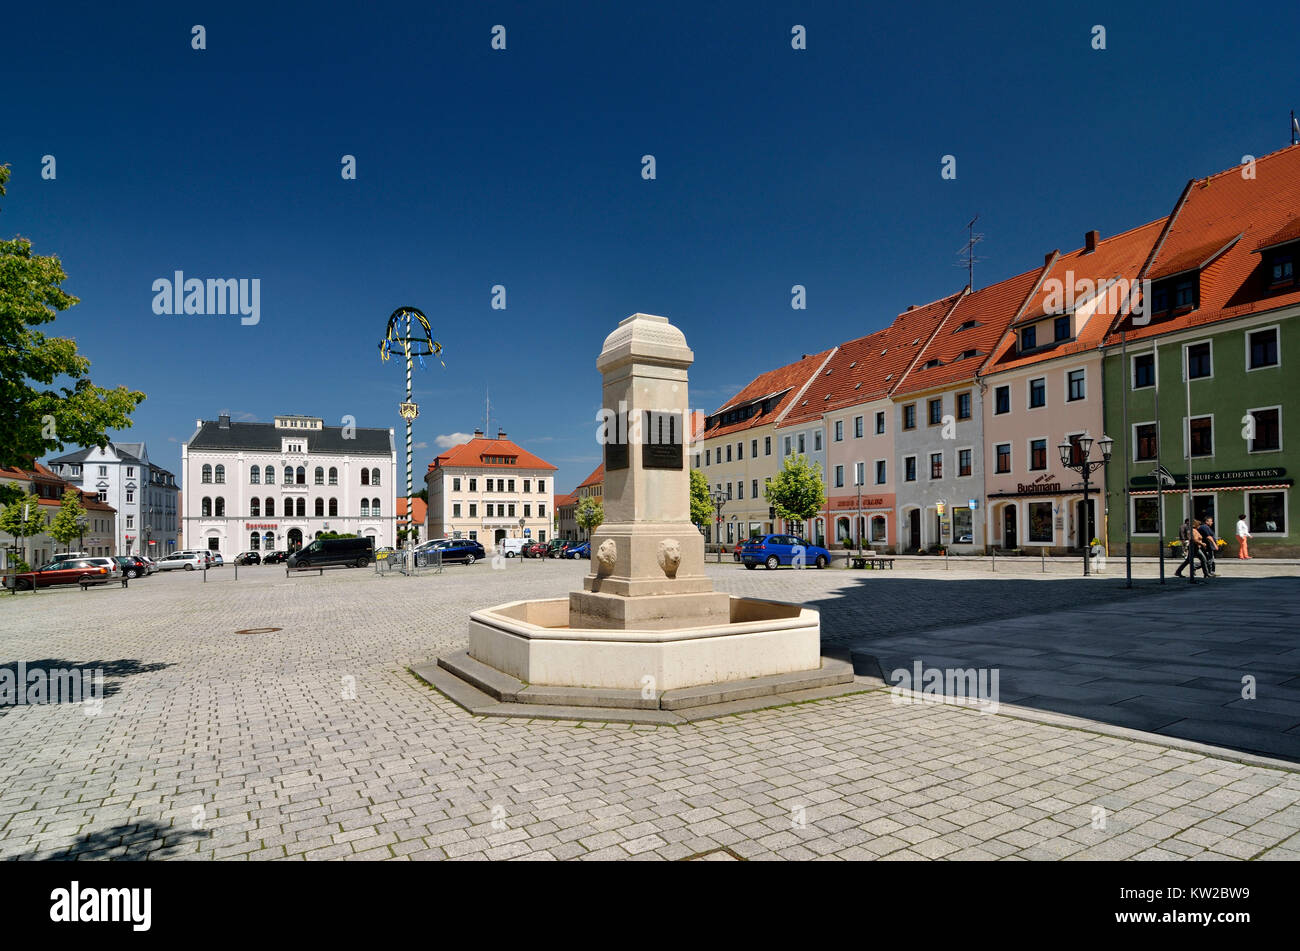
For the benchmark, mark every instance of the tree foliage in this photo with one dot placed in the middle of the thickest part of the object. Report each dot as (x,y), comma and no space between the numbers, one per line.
(798,492)
(64,528)
(46,399)
(12,521)
(590,514)
(701,504)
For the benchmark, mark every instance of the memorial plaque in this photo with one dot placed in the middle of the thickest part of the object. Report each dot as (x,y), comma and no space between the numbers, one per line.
(616,451)
(661,441)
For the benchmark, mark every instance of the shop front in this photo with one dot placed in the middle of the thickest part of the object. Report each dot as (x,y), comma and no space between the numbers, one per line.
(1262,496)
(867,522)
(1045,515)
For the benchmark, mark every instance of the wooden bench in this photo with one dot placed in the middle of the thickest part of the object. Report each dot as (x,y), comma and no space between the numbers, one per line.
(872,561)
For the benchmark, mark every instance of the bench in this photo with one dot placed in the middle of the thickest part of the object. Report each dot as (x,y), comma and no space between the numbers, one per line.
(872,561)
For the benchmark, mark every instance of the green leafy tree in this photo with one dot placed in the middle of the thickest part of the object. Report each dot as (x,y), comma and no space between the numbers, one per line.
(64,528)
(13,523)
(590,514)
(701,504)
(38,415)
(798,492)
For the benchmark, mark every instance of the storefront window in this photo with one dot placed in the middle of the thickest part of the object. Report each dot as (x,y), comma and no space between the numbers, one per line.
(1146,516)
(1266,513)
(878,528)
(961,524)
(1040,522)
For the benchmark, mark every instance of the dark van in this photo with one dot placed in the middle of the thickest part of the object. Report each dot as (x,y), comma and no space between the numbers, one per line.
(324,552)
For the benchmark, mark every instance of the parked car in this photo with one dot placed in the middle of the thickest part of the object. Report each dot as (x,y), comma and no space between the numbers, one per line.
(66,571)
(556,546)
(534,550)
(248,558)
(189,560)
(736,551)
(133,566)
(153,565)
(512,547)
(333,552)
(581,550)
(68,555)
(965,539)
(461,549)
(274,557)
(774,550)
(215,559)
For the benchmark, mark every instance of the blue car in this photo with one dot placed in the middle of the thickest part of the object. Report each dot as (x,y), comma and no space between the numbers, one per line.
(464,550)
(578,551)
(775,550)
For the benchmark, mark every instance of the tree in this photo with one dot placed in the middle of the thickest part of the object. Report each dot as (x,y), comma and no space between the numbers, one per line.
(701,503)
(37,417)
(64,528)
(590,514)
(797,493)
(13,523)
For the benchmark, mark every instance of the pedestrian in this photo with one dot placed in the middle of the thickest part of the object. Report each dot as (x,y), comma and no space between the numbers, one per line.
(1211,543)
(1193,547)
(1243,536)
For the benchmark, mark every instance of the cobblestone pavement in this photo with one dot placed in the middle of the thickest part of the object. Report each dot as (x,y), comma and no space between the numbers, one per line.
(315,742)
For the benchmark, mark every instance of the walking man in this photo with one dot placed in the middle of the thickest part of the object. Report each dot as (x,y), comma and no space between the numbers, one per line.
(1211,543)
(1243,536)
(1193,547)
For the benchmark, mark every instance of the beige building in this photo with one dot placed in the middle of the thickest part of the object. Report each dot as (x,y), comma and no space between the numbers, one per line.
(489,489)
(100,534)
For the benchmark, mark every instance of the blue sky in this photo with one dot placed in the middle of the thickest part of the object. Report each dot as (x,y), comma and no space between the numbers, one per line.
(522,168)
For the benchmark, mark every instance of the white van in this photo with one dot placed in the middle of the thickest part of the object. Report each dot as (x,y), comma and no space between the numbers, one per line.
(511,547)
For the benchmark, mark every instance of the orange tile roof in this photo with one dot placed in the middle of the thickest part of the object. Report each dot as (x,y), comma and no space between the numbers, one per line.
(992,308)
(1121,256)
(471,454)
(597,477)
(1209,214)
(418,506)
(790,378)
(569,498)
(854,374)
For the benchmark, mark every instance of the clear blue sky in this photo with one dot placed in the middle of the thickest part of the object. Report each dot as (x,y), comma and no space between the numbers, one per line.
(523,168)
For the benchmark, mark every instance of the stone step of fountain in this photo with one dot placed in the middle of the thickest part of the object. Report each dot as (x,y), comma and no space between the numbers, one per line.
(832,673)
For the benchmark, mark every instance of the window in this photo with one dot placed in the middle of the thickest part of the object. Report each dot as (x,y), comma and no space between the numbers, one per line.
(488,486)
(1261,348)
(473,485)
(219,475)
(1199,362)
(511,513)
(489,510)
(205,477)
(1061,328)
(1144,371)
(839,430)
(473,536)
(473,510)
(302,507)
(1029,338)
(1003,451)
(1202,432)
(255,507)
(708,457)
(767,445)
(1040,522)
(880,424)
(1266,513)
(729,490)
(103,471)
(740,489)
(528,486)
(288,475)
(909,416)
(1002,400)
(103,495)
(1145,442)
(753,488)
(269,475)
(786,446)
(269,509)
(817,440)
(753,449)
(963,462)
(728,452)
(254,475)
(254,541)
(318,476)
(963,406)
(365,508)
(1037,392)
(300,476)
(365,477)
(1075,385)
(878,528)
(740,450)
(935,411)
(318,508)
(455,510)
(541,510)
(1146,516)
(511,484)
(1037,454)
(455,485)
(882,471)
(839,477)
(909,468)
(936,465)
(1268,429)
(802,443)
(130,522)
(205,507)
(1281,268)
(130,495)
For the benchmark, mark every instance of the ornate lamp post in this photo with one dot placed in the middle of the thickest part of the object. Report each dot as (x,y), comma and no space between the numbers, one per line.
(1085,467)
(81,533)
(719,499)
(412,343)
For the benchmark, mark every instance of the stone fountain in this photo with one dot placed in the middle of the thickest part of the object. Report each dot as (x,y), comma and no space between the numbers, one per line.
(647,639)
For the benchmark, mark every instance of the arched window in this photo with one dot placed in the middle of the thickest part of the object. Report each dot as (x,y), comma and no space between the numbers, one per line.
(319,534)
(320,476)
(270,475)
(301,476)
(254,475)
(374,477)
(374,506)
(221,507)
(365,476)
(878,528)
(205,507)
(269,540)
(302,507)
(320,506)
(365,508)
(842,530)
(288,475)
(207,473)
(270,507)
(255,507)
(221,475)
(254,541)
(334,476)
(334,507)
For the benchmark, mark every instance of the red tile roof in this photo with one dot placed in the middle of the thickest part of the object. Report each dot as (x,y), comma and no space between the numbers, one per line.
(472,454)
(418,506)
(597,477)
(790,379)
(854,374)
(991,309)
(1118,257)
(567,499)
(1210,213)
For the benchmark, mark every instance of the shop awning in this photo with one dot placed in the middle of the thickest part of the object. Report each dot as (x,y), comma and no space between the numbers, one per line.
(1208,489)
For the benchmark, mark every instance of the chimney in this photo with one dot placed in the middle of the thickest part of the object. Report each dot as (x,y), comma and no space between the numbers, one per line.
(501,433)
(1090,242)
(223,421)
(478,434)
(1047,258)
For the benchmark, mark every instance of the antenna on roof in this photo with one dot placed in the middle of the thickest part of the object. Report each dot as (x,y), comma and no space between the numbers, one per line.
(968,251)
(1295,128)
(487,410)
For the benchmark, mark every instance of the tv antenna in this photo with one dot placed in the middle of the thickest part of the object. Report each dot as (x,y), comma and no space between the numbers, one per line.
(969,258)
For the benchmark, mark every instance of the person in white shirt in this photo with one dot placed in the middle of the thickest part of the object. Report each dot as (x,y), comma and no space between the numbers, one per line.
(1243,536)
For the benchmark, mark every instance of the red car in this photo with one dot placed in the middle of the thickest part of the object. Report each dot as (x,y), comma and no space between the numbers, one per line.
(72,571)
(533,550)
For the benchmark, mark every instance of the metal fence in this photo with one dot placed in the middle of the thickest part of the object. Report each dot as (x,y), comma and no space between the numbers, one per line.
(409,562)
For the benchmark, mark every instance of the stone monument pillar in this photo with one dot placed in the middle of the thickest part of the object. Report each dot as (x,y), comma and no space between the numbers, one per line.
(647,558)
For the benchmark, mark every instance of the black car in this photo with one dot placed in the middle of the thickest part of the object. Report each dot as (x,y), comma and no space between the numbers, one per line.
(461,550)
(249,558)
(274,557)
(327,552)
(133,566)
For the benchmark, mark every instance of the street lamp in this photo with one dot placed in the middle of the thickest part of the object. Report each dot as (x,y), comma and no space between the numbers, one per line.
(719,499)
(1085,467)
(81,533)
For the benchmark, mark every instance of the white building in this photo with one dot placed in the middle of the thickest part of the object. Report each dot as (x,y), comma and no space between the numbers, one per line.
(276,486)
(144,495)
(490,489)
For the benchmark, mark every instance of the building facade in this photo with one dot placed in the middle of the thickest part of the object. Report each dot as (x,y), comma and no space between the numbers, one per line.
(276,486)
(490,489)
(100,535)
(145,496)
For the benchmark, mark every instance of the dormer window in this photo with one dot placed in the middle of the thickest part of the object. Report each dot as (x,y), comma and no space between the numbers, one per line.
(1061,328)
(1281,268)
(1176,293)
(1028,338)
(931,364)
(967,354)
(967,325)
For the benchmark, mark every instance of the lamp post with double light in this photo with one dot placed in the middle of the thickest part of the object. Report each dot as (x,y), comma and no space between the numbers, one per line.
(719,499)
(1085,466)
